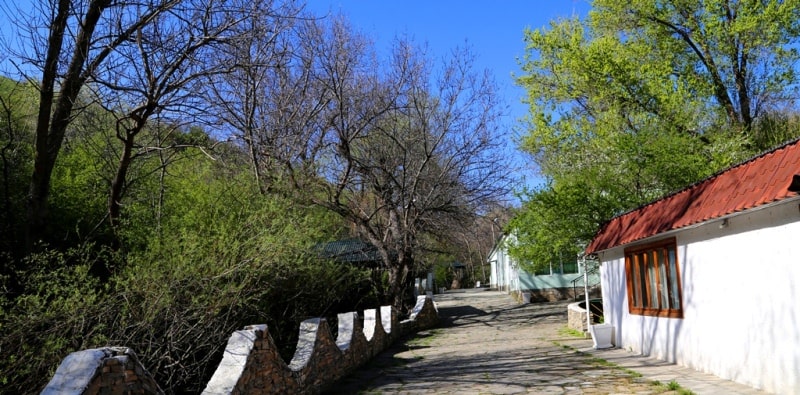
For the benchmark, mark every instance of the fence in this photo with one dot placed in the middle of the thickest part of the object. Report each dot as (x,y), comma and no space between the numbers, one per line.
(251,363)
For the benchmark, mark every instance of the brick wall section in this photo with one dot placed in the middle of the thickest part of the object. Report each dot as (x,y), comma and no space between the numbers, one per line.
(317,360)
(351,339)
(251,363)
(110,370)
(425,315)
(576,317)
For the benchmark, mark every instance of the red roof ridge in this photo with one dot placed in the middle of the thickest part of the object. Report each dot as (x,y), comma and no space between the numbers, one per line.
(748,184)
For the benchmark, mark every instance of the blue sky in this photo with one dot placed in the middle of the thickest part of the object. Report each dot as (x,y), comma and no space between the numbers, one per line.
(492,29)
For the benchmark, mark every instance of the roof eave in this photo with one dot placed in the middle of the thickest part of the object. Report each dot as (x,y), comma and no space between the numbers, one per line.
(671,232)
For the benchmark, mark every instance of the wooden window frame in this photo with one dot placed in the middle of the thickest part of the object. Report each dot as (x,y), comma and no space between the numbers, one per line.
(655,255)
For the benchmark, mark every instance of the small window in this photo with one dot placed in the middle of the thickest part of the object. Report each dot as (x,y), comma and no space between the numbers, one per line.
(569,267)
(654,284)
(543,270)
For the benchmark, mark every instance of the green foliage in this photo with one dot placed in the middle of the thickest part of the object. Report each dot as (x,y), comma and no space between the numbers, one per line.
(226,257)
(192,290)
(79,193)
(442,275)
(17,103)
(58,312)
(642,99)
(202,253)
(739,56)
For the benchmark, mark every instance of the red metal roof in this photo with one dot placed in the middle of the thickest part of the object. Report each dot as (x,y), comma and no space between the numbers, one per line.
(756,182)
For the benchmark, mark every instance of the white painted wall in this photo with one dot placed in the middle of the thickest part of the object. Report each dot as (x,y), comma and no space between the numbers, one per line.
(503,268)
(741,301)
(506,274)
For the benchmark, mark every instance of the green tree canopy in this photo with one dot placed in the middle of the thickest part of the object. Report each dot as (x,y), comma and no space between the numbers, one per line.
(645,97)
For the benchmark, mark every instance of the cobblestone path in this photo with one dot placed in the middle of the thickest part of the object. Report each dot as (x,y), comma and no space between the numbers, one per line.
(489,344)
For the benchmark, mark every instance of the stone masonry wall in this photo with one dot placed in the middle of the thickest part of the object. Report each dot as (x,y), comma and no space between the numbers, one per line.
(551,294)
(110,370)
(576,317)
(251,363)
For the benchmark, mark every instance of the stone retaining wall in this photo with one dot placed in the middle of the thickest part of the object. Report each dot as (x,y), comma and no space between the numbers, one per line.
(551,294)
(576,317)
(251,363)
(109,370)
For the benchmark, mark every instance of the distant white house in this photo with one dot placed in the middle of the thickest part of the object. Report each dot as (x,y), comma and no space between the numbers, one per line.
(556,281)
(709,277)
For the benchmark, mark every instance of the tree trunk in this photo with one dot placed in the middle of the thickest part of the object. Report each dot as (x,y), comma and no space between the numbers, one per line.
(118,184)
(52,125)
(399,281)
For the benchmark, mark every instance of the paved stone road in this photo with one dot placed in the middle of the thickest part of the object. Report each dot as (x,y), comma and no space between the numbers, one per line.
(489,344)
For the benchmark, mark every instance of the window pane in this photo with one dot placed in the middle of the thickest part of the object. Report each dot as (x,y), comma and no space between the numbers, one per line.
(643,277)
(652,288)
(662,278)
(675,302)
(542,270)
(636,266)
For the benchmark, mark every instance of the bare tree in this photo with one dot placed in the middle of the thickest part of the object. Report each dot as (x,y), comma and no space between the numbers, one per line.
(143,59)
(81,36)
(156,82)
(394,149)
(472,242)
(257,61)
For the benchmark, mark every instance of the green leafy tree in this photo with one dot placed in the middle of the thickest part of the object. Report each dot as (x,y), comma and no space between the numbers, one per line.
(743,52)
(646,97)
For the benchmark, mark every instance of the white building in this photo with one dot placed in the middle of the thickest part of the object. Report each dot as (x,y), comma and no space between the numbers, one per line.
(556,281)
(709,277)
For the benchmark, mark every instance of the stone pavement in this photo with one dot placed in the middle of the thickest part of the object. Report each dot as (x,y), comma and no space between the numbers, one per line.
(489,344)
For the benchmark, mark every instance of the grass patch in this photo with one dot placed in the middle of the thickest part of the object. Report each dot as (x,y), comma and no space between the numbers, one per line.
(672,386)
(600,362)
(606,364)
(567,331)
(564,346)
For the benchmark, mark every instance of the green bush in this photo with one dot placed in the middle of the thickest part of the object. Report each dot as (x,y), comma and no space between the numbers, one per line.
(175,304)
(58,312)
(199,253)
(203,254)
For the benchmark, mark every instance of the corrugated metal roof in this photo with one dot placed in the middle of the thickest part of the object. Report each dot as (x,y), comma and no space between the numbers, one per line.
(762,180)
(350,251)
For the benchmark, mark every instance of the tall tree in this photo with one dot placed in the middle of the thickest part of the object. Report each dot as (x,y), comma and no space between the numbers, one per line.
(387,147)
(81,36)
(645,97)
(157,82)
(744,51)
(269,46)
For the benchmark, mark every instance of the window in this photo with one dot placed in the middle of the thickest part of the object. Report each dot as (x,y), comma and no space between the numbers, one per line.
(569,267)
(557,268)
(654,283)
(542,271)
(564,263)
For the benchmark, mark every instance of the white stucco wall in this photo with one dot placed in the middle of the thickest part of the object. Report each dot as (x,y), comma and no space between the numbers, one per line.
(504,269)
(741,301)
(507,275)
